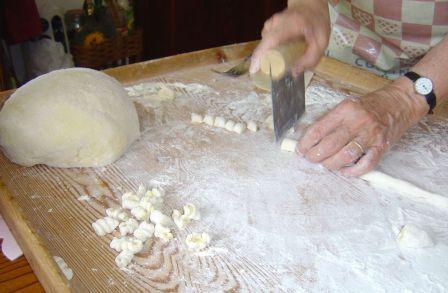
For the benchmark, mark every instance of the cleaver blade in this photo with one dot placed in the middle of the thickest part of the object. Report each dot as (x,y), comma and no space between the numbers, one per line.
(288,102)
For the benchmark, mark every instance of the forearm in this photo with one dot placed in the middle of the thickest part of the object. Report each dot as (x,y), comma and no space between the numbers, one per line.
(433,65)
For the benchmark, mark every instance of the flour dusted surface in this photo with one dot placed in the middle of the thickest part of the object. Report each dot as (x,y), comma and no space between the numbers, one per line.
(284,222)
(276,222)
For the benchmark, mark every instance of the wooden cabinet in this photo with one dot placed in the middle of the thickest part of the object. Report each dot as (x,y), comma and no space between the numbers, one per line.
(176,26)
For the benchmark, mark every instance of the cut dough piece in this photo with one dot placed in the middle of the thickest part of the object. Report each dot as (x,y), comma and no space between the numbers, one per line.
(124,258)
(117,214)
(288,145)
(140,213)
(129,200)
(130,244)
(198,241)
(220,122)
(180,220)
(163,233)
(229,125)
(157,217)
(75,117)
(252,126)
(405,189)
(66,270)
(239,127)
(157,192)
(104,226)
(196,118)
(209,120)
(165,93)
(128,227)
(411,236)
(191,212)
(144,231)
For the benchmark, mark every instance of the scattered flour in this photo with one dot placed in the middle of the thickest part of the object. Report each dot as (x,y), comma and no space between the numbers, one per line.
(282,219)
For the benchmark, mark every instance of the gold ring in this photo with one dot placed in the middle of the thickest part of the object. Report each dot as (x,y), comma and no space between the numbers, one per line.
(359,146)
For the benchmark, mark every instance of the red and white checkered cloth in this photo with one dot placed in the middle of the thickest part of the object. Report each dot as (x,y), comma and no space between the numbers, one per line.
(388,33)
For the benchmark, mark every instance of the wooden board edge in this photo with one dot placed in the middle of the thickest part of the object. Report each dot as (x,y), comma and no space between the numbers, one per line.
(37,255)
(138,71)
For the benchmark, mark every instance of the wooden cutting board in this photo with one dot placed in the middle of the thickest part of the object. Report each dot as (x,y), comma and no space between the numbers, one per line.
(59,224)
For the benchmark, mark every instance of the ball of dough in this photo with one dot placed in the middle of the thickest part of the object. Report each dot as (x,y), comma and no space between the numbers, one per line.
(411,236)
(74,117)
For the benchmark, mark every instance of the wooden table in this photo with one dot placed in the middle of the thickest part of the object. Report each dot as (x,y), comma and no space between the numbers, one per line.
(32,243)
(17,276)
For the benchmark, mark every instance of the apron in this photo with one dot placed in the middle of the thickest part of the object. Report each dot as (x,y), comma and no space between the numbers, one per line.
(386,36)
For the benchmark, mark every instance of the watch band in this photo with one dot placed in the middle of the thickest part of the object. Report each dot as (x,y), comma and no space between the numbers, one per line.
(430,98)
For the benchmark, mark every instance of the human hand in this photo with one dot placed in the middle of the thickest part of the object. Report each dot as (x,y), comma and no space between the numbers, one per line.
(355,134)
(308,20)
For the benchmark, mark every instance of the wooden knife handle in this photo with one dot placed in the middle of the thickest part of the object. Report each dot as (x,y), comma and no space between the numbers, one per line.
(279,60)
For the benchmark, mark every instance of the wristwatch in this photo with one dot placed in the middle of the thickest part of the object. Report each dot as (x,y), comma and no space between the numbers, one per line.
(424,87)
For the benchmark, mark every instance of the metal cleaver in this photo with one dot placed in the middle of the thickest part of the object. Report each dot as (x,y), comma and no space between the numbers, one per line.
(288,92)
(288,102)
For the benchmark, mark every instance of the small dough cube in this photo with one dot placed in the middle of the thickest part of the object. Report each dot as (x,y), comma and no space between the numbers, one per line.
(209,120)
(196,118)
(288,145)
(124,259)
(220,122)
(252,126)
(239,127)
(229,125)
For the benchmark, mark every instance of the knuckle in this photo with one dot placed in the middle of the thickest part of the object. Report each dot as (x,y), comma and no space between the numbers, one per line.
(347,104)
(316,132)
(351,154)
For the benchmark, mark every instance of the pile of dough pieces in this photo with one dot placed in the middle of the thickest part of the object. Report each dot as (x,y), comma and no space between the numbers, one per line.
(139,218)
(221,122)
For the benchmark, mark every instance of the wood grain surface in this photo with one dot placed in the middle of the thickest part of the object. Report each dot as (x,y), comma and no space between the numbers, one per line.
(41,204)
(17,276)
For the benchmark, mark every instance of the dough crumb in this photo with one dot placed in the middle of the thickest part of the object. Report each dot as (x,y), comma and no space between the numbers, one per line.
(66,270)
(412,236)
(198,241)
(165,93)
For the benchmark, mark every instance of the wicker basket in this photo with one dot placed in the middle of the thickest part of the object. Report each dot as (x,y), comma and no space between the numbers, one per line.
(111,52)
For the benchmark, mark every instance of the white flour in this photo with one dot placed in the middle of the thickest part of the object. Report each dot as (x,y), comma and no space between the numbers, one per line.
(279,220)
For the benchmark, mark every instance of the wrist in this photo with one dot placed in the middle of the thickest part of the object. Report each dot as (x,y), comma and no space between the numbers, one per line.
(416,102)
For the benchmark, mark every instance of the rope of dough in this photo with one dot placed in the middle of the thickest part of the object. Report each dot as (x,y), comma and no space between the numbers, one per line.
(405,189)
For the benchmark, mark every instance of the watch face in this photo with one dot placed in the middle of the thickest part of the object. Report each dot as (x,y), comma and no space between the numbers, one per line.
(423,85)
